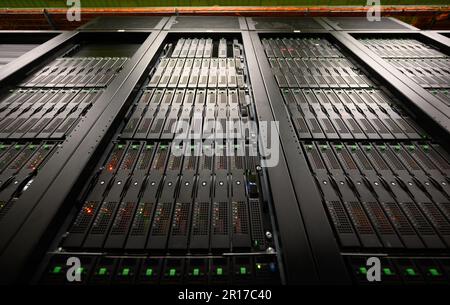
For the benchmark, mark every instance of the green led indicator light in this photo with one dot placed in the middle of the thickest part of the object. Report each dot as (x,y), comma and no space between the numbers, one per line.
(383,147)
(339,147)
(126,271)
(426,147)
(149,272)
(219,271)
(149,146)
(17,147)
(2,146)
(258,266)
(434,272)
(353,147)
(309,146)
(368,148)
(387,271)
(196,271)
(102,271)
(362,270)
(134,147)
(46,146)
(32,146)
(120,146)
(324,147)
(243,270)
(410,271)
(57,269)
(172,272)
(397,147)
(411,147)
(162,147)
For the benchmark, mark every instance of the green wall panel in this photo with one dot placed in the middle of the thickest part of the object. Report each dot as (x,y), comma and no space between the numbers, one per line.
(150,3)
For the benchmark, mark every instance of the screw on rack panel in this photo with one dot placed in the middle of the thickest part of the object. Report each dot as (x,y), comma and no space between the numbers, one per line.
(270,250)
(269,235)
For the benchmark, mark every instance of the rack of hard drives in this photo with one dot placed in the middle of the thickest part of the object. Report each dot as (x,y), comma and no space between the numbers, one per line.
(141,155)
(194,197)
(382,179)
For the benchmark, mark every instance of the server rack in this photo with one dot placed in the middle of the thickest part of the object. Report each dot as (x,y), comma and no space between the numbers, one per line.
(69,46)
(300,103)
(198,218)
(326,247)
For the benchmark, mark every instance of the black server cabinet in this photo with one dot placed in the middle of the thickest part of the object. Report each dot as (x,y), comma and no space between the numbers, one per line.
(362,168)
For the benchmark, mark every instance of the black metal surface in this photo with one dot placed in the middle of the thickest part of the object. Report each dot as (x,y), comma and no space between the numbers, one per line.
(362,23)
(205,23)
(125,23)
(286,23)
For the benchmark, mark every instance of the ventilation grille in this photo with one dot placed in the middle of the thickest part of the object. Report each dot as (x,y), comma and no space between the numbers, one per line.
(417,219)
(220,221)
(398,219)
(161,220)
(363,160)
(436,218)
(378,218)
(103,218)
(200,223)
(141,223)
(84,217)
(359,218)
(240,217)
(180,222)
(339,217)
(123,218)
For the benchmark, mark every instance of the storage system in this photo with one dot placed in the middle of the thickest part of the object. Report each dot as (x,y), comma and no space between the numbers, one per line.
(226,150)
